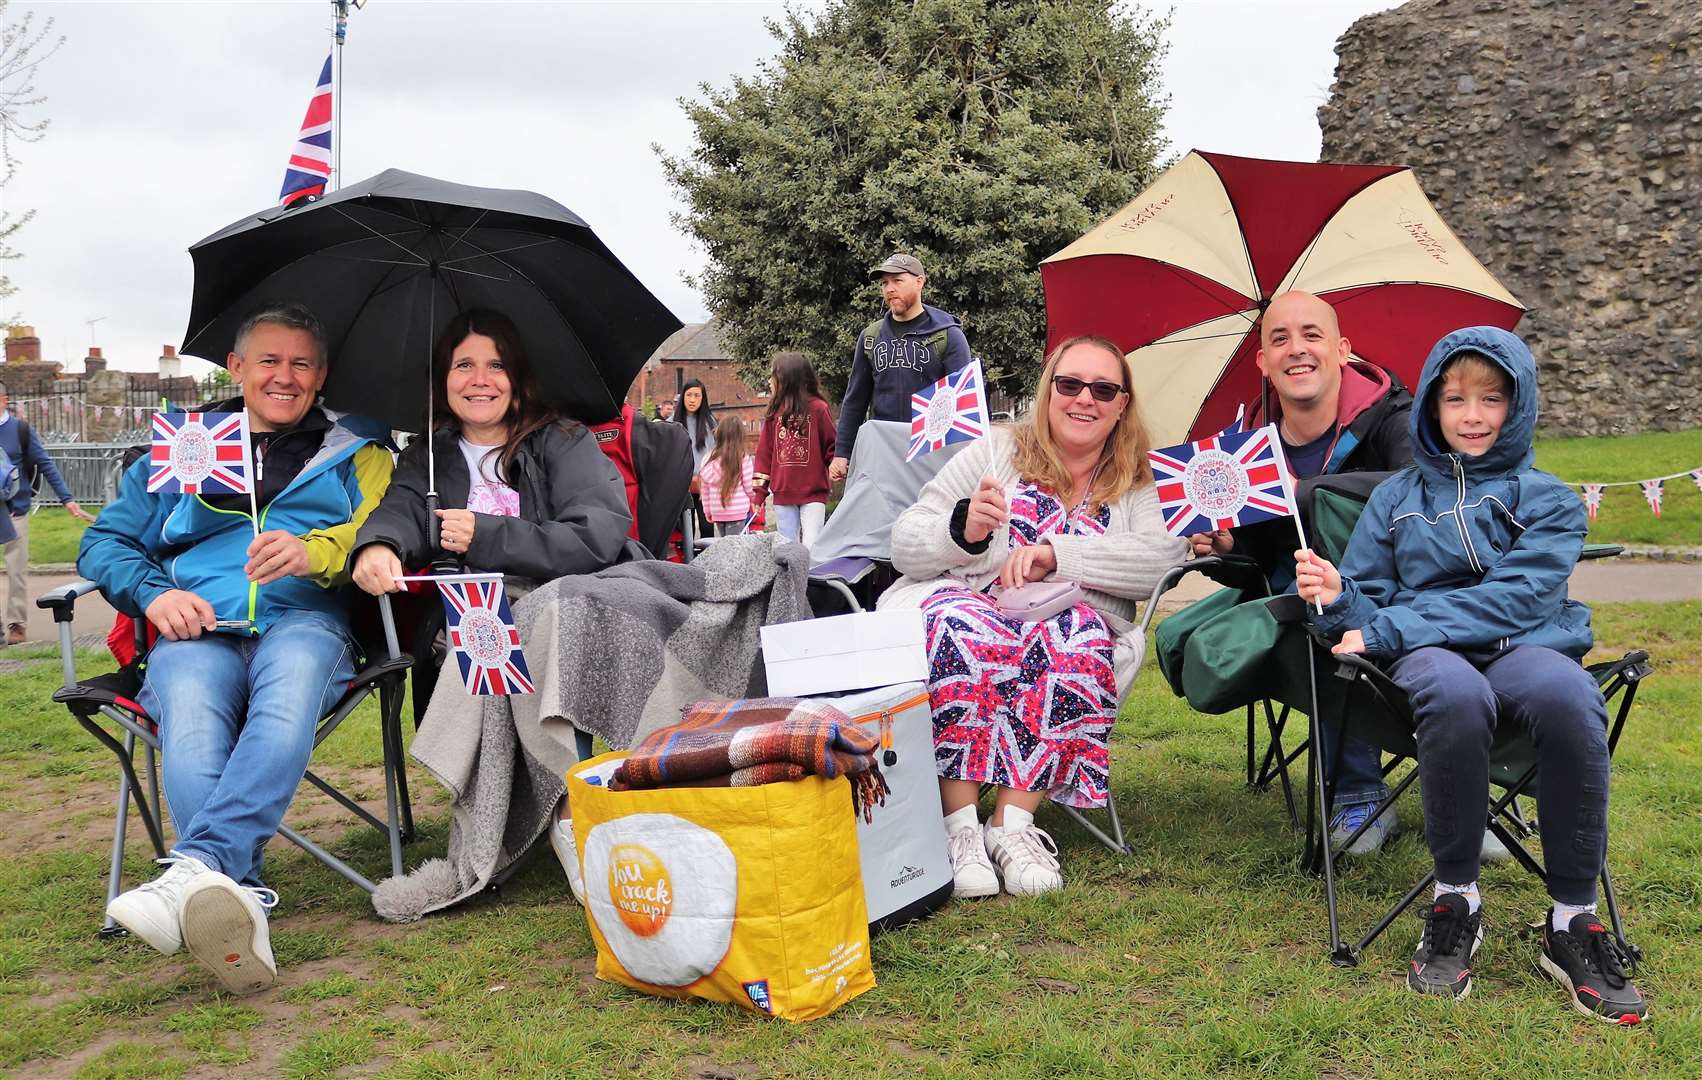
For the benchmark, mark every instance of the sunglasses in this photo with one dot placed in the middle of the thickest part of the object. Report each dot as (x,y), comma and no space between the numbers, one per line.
(1103,390)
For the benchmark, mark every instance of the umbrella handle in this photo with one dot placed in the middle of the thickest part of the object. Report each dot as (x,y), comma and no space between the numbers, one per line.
(443,564)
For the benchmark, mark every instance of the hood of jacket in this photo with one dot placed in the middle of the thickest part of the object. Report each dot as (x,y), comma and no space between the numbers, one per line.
(1363,385)
(931,321)
(1511,453)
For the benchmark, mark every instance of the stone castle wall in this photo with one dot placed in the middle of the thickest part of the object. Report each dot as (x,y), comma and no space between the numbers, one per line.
(1562,139)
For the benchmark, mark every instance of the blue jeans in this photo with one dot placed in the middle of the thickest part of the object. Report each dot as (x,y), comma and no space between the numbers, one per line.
(1459,705)
(1358,776)
(237,717)
(800,523)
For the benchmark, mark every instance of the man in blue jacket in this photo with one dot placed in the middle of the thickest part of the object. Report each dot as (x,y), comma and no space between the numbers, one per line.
(23,450)
(254,639)
(912,346)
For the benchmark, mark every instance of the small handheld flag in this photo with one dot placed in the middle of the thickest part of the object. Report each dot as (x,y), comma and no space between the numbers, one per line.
(1237,425)
(1696,475)
(953,410)
(1593,499)
(200,454)
(309,168)
(1221,482)
(482,635)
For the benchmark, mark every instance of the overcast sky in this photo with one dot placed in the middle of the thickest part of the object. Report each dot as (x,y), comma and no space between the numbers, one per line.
(170,120)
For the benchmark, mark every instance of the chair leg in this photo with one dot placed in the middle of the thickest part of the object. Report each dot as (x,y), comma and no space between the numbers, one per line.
(1632,951)
(115,868)
(1395,912)
(151,765)
(1250,744)
(1318,831)
(1114,841)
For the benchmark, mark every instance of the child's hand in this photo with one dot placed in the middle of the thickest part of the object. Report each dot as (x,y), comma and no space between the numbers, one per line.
(1353,641)
(1315,579)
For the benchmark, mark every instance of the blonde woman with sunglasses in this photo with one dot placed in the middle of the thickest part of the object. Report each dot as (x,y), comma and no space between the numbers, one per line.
(1027,707)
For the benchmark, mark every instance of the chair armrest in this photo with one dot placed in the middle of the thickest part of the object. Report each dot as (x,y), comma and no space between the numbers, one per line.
(1600,551)
(1351,666)
(379,669)
(64,598)
(1168,580)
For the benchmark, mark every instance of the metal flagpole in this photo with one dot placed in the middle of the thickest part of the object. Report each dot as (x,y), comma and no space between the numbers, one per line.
(341,10)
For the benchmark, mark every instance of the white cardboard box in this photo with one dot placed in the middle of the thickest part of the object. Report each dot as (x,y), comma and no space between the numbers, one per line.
(844,652)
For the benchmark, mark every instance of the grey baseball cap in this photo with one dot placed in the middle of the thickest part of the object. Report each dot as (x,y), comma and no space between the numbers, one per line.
(899,263)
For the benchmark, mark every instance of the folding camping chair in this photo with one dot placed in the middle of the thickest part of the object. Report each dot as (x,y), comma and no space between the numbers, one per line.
(106,707)
(1367,704)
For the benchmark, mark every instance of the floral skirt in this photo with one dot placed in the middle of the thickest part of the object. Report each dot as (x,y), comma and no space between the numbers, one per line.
(1021,705)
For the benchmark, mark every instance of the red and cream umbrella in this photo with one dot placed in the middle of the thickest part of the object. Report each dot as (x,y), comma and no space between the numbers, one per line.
(1180,276)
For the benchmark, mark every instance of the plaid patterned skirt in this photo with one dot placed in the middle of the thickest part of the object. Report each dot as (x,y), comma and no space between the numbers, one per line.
(1021,705)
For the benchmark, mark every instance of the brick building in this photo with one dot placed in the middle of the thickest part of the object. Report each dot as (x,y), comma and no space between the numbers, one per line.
(696,352)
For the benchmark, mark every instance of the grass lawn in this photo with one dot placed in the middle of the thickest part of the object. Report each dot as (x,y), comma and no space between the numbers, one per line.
(1625,517)
(54,535)
(1202,954)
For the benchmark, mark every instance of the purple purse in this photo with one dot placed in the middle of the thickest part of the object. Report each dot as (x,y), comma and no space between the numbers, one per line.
(1039,599)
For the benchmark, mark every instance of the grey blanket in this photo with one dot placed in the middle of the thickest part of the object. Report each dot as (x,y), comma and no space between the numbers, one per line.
(616,654)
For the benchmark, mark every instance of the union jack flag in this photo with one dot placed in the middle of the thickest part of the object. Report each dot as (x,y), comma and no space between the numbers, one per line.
(1652,492)
(200,454)
(1222,481)
(310,159)
(483,637)
(1237,425)
(953,410)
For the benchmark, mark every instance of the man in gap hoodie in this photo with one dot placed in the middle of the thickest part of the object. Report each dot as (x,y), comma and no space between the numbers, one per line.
(912,346)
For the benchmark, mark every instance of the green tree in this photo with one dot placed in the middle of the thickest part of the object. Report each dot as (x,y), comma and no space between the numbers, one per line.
(24,46)
(980,135)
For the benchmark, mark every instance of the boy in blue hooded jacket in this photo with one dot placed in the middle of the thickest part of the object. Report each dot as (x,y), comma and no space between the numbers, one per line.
(1456,578)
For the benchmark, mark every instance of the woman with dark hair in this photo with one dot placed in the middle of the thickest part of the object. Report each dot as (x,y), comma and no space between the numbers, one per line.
(527,493)
(692,412)
(794,450)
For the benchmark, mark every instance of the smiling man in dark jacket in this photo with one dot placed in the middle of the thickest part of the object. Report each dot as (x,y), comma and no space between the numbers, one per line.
(912,346)
(1335,415)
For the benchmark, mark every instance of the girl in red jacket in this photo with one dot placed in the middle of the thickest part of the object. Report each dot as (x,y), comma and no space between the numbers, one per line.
(796,446)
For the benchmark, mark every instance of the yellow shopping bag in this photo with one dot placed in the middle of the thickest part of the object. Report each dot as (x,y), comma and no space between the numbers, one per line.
(751,895)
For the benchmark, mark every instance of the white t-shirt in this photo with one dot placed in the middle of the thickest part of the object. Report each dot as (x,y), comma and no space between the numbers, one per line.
(486,494)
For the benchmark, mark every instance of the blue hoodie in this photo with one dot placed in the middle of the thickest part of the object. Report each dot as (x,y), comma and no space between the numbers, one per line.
(144,544)
(1471,554)
(903,358)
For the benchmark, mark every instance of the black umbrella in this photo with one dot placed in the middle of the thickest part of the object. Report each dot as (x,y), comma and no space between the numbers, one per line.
(387,262)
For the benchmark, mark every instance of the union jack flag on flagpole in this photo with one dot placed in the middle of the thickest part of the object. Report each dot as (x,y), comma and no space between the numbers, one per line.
(310,159)
(482,635)
(1222,481)
(953,410)
(200,454)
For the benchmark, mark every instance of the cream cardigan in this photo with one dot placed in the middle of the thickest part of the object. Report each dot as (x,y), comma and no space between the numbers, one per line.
(1114,569)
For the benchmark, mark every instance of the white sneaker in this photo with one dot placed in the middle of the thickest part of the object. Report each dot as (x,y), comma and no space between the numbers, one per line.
(224,926)
(972,874)
(1025,855)
(567,853)
(154,911)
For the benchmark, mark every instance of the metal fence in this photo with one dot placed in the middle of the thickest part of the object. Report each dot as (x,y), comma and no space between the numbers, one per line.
(62,410)
(91,471)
